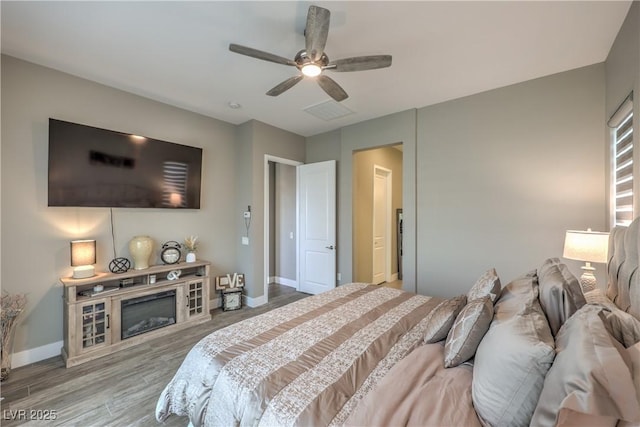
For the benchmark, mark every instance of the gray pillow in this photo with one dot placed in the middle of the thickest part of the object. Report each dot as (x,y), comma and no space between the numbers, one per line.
(621,325)
(634,354)
(590,377)
(487,285)
(513,357)
(442,317)
(560,293)
(597,297)
(467,331)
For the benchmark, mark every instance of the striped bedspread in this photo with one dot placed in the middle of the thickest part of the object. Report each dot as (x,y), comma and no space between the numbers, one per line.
(308,363)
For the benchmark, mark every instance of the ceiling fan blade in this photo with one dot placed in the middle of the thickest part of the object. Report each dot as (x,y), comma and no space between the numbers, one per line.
(255,53)
(360,63)
(317,31)
(332,88)
(285,85)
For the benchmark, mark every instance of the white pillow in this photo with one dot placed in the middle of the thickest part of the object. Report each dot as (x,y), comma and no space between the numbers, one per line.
(513,357)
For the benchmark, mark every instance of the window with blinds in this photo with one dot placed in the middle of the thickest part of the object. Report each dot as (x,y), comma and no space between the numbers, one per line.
(622,153)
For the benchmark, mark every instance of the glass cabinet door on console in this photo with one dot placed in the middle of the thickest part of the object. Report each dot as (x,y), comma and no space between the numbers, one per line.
(195,297)
(94,328)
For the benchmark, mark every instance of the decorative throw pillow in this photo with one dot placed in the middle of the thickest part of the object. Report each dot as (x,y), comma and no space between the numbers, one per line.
(513,357)
(487,285)
(622,326)
(442,317)
(589,377)
(467,331)
(560,293)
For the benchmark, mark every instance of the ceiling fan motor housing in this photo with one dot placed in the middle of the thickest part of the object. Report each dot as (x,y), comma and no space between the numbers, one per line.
(302,58)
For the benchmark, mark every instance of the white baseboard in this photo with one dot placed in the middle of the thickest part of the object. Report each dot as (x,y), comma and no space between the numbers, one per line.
(247,301)
(394,277)
(33,355)
(254,302)
(283,281)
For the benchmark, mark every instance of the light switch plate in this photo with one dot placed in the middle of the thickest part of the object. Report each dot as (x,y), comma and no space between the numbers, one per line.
(245,240)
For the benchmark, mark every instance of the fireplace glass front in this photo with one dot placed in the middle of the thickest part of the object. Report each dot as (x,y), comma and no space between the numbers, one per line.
(147,313)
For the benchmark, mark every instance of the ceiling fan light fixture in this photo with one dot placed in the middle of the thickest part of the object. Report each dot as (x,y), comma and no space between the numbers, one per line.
(311,70)
(312,60)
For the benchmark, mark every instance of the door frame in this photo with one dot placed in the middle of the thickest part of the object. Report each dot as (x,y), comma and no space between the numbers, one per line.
(269,158)
(388,177)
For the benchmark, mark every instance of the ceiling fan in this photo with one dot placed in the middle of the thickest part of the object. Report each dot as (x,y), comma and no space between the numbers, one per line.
(313,61)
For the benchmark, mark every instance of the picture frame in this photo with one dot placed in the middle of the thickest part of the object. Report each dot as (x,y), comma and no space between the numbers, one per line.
(231,300)
(229,281)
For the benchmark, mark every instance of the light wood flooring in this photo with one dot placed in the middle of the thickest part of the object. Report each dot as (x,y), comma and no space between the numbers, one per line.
(117,390)
(397,284)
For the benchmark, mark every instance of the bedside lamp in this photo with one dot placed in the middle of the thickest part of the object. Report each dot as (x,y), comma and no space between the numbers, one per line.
(589,246)
(83,256)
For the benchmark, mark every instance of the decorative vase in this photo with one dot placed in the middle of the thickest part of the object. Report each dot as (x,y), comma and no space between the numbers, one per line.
(6,350)
(191,257)
(140,248)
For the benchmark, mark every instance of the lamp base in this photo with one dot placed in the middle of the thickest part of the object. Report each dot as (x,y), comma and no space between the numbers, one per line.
(588,281)
(84,272)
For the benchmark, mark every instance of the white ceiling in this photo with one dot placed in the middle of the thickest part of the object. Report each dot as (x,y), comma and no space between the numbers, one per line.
(177,52)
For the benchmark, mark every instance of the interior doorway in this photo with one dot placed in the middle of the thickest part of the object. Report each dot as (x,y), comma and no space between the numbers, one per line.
(280,222)
(381,209)
(377,196)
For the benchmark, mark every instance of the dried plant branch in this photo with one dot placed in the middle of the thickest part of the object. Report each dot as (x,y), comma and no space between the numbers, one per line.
(191,243)
(11,305)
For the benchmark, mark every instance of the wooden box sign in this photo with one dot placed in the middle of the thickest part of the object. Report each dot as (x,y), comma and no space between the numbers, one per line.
(229,281)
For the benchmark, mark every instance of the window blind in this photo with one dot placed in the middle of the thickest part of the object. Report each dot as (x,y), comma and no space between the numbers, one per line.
(622,122)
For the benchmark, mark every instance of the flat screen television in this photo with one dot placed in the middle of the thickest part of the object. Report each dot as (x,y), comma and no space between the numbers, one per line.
(95,167)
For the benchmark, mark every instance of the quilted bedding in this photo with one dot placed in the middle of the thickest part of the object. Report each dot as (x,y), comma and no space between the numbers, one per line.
(308,363)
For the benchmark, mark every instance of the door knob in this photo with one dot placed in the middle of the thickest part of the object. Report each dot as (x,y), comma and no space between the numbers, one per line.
(331,247)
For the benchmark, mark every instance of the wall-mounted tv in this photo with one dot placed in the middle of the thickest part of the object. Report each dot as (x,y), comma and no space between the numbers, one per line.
(95,167)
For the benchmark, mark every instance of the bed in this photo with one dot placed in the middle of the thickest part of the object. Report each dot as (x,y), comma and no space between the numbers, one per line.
(534,352)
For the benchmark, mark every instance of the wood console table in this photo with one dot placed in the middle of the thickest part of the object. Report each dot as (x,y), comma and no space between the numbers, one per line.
(94,325)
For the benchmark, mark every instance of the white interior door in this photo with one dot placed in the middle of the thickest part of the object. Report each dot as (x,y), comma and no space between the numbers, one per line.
(381,225)
(317,227)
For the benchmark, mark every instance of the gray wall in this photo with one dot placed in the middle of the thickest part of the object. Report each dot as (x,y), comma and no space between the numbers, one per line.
(255,140)
(35,239)
(503,174)
(490,180)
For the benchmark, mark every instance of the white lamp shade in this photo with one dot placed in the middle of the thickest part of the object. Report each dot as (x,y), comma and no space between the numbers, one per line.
(83,252)
(588,246)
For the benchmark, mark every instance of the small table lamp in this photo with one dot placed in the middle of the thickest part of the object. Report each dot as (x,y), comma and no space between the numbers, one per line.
(589,246)
(83,256)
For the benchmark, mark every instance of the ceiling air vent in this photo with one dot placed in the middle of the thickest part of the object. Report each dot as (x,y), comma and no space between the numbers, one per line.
(328,110)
